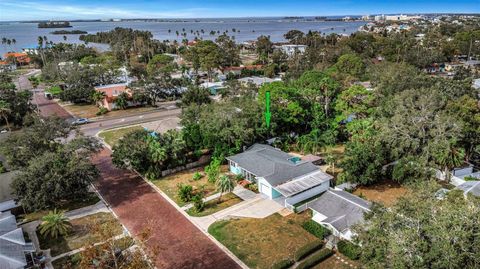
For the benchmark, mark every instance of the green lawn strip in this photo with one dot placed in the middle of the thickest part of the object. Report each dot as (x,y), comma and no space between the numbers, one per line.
(260,243)
(79,236)
(91,199)
(111,137)
(213,206)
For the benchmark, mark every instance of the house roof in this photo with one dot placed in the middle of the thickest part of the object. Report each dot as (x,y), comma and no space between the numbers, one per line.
(12,243)
(341,209)
(303,183)
(472,187)
(274,165)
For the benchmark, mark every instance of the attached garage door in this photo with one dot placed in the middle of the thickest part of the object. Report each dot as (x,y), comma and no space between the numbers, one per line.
(265,189)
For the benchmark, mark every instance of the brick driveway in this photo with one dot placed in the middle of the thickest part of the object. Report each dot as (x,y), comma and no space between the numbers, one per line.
(49,107)
(180,243)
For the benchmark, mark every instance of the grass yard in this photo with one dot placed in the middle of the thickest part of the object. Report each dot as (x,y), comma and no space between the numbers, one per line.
(213,206)
(385,192)
(169,183)
(90,111)
(260,243)
(91,199)
(79,235)
(111,137)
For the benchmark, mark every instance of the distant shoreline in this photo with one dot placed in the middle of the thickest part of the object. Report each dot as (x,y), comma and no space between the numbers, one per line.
(66,32)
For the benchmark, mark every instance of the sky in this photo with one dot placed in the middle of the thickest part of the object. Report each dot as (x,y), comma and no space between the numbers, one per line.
(15,10)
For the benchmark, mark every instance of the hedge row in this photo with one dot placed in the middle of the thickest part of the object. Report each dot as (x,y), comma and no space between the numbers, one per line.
(315,259)
(283,264)
(307,250)
(316,229)
(349,249)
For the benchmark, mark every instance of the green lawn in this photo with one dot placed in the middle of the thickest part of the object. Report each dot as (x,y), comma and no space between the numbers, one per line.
(213,206)
(80,234)
(91,199)
(111,137)
(260,243)
(169,183)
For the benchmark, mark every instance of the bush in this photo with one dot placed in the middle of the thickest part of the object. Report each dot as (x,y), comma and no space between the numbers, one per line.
(315,259)
(197,176)
(283,264)
(307,250)
(198,203)
(185,192)
(316,229)
(253,187)
(349,249)
(101,111)
(239,177)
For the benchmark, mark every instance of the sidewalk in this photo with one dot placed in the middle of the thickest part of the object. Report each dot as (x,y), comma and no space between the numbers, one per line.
(88,210)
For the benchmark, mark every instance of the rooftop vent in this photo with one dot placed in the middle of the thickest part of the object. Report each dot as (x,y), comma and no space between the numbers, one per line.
(295,160)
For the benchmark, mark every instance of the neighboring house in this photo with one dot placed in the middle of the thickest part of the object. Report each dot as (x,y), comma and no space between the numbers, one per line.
(470,187)
(111,92)
(258,81)
(279,174)
(13,248)
(291,49)
(19,58)
(213,87)
(237,70)
(6,66)
(458,175)
(476,84)
(338,211)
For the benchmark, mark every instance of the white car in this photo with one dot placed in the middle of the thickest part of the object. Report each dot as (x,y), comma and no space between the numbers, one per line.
(80,121)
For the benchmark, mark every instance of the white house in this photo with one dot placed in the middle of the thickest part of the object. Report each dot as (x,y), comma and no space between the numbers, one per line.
(291,49)
(279,174)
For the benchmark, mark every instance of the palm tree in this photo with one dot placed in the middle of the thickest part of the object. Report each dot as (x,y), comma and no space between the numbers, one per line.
(5,112)
(450,158)
(224,184)
(122,100)
(64,38)
(97,97)
(54,224)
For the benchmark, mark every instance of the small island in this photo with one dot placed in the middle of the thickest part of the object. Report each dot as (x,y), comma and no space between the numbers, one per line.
(54,24)
(66,32)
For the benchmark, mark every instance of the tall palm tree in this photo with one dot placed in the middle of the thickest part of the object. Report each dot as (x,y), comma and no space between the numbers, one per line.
(450,158)
(5,112)
(64,38)
(224,184)
(54,224)
(97,97)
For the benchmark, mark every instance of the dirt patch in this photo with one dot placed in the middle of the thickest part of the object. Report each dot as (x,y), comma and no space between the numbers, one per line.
(386,192)
(169,184)
(334,263)
(178,243)
(260,243)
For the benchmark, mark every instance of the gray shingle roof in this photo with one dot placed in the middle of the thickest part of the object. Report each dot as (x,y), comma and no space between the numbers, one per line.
(341,209)
(272,164)
(12,243)
(472,187)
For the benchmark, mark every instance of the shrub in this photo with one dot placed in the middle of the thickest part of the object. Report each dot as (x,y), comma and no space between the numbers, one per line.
(101,111)
(316,229)
(283,264)
(315,259)
(307,250)
(198,203)
(185,192)
(213,170)
(239,177)
(349,249)
(197,176)
(253,187)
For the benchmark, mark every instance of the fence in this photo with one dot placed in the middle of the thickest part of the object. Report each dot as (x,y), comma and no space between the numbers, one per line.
(205,159)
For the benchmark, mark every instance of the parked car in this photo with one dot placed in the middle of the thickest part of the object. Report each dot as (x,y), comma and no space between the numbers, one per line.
(80,121)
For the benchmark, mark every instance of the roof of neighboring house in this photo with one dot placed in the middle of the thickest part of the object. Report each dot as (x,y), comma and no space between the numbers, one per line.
(274,165)
(12,243)
(472,187)
(341,209)
(257,80)
(111,88)
(20,56)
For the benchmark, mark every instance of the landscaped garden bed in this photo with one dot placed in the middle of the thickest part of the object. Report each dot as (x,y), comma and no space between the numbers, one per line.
(261,243)
(169,184)
(215,205)
(79,235)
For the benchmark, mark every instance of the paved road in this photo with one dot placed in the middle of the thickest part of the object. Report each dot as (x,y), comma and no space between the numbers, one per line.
(179,243)
(96,126)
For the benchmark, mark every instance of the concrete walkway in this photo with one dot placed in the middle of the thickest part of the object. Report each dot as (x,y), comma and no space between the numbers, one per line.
(255,206)
(88,210)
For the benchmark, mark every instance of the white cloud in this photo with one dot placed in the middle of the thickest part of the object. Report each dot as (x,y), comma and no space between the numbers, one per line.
(35,11)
